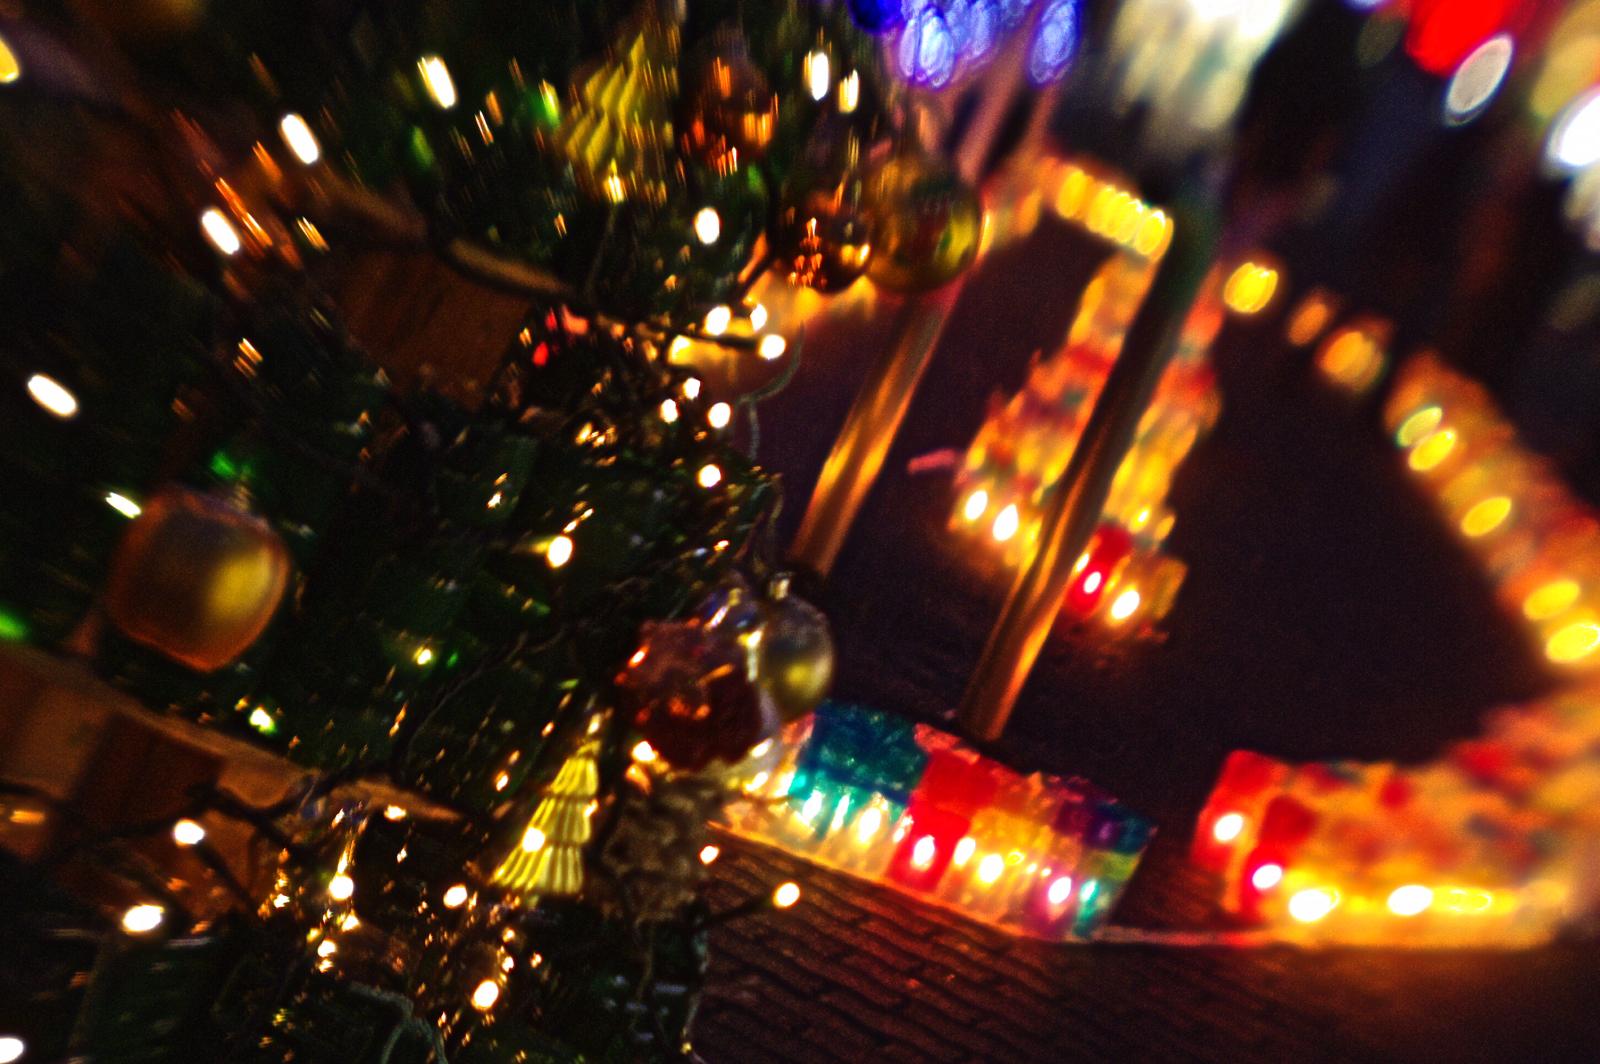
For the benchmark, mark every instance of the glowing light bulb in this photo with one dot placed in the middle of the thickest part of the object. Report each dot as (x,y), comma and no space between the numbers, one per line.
(11,1047)
(1476,81)
(1267,876)
(761,748)
(558,551)
(669,411)
(485,995)
(1125,605)
(123,505)
(818,74)
(707,225)
(1092,582)
(786,895)
(691,386)
(1410,900)
(1059,891)
(1486,516)
(719,415)
(10,70)
(964,851)
(1573,643)
(869,825)
(143,918)
(1551,599)
(1432,449)
(709,854)
(532,840)
(187,833)
(923,852)
(300,139)
(436,79)
(758,316)
(849,92)
(718,318)
(262,721)
(1574,142)
(456,896)
(1309,906)
(975,505)
(813,806)
(643,751)
(990,868)
(1228,827)
(52,395)
(772,346)
(423,656)
(341,887)
(1006,525)
(327,948)
(1249,288)
(709,476)
(223,236)
(1418,425)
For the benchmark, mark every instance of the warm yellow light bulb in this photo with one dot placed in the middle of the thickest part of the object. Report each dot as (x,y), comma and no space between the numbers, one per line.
(990,868)
(456,896)
(923,852)
(142,918)
(669,411)
(1007,523)
(719,415)
(188,833)
(1060,891)
(52,395)
(786,895)
(558,551)
(1550,599)
(262,721)
(11,1047)
(1432,449)
(870,823)
(223,236)
(486,994)
(849,92)
(709,476)
(1573,643)
(644,752)
(10,70)
(707,225)
(691,386)
(758,317)
(532,840)
(772,346)
(341,887)
(709,853)
(437,80)
(976,504)
(718,318)
(1228,827)
(1486,516)
(298,136)
(1410,900)
(1309,906)
(423,656)
(1125,605)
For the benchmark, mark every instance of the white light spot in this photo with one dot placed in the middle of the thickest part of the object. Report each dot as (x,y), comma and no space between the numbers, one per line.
(341,887)
(142,918)
(1575,139)
(436,79)
(758,316)
(1267,876)
(710,476)
(187,833)
(1006,525)
(718,318)
(223,236)
(52,395)
(484,997)
(719,415)
(300,139)
(1410,900)
(819,74)
(1060,891)
(558,552)
(455,897)
(707,225)
(1476,81)
(11,1047)
(772,346)
(1228,827)
(123,505)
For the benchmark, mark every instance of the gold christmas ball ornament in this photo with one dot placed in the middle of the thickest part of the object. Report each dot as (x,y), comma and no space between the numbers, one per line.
(796,656)
(730,112)
(929,223)
(821,234)
(196,578)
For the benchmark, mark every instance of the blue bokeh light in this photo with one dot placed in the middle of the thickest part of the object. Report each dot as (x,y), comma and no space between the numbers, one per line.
(1055,41)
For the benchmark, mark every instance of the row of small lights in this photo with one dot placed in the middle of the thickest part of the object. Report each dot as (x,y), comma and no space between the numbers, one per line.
(1312,904)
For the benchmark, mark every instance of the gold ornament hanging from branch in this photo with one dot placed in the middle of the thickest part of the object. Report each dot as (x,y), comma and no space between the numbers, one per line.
(547,860)
(618,133)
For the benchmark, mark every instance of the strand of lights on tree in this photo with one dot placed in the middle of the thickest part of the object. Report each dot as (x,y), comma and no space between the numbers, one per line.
(911,807)
(1487,845)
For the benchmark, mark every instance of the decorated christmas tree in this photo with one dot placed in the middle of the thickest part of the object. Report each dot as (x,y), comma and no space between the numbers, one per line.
(493,652)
